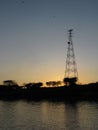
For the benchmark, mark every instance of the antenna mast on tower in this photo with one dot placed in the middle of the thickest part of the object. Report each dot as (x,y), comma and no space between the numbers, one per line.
(71,74)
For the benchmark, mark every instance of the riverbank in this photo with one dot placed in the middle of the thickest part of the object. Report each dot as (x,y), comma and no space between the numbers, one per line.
(77,92)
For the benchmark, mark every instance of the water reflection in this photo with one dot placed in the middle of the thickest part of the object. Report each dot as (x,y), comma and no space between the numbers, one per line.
(71,117)
(88,115)
(48,115)
(7,115)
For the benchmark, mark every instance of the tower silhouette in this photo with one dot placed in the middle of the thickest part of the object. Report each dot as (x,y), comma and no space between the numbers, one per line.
(71,74)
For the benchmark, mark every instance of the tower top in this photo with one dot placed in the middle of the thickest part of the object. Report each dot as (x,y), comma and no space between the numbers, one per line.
(70,32)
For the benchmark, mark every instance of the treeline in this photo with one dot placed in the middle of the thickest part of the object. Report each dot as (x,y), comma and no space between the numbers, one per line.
(11,84)
(10,89)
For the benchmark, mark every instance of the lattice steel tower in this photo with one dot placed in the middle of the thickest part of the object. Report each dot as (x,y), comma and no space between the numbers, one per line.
(71,66)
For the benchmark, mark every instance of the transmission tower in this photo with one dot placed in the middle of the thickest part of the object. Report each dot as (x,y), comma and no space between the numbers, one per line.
(71,67)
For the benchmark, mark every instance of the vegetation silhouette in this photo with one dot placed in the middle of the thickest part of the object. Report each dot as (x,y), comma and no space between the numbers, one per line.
(70,81)
(10,84)
(33,85)
(10,90)
(53,83)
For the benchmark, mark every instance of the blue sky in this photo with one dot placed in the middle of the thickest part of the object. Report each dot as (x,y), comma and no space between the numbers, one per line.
(33,39)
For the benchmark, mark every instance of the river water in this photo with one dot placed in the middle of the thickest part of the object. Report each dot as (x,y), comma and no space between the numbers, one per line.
(48,115)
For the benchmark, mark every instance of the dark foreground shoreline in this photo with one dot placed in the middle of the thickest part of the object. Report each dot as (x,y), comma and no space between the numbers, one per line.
(71,93)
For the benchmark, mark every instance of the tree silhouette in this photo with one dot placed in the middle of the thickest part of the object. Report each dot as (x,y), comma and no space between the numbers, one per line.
(33,85)
(58,83)
(10,84)
(53,83)
(48,83)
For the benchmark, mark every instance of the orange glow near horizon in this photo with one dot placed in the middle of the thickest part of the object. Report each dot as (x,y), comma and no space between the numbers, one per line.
(45,77)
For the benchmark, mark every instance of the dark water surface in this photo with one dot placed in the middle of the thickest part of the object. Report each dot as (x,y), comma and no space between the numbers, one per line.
(48,115)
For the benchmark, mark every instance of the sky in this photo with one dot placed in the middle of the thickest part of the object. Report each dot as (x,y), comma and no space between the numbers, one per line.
(33,39)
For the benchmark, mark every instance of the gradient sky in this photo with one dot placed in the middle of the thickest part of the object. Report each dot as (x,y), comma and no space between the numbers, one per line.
(33,39)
